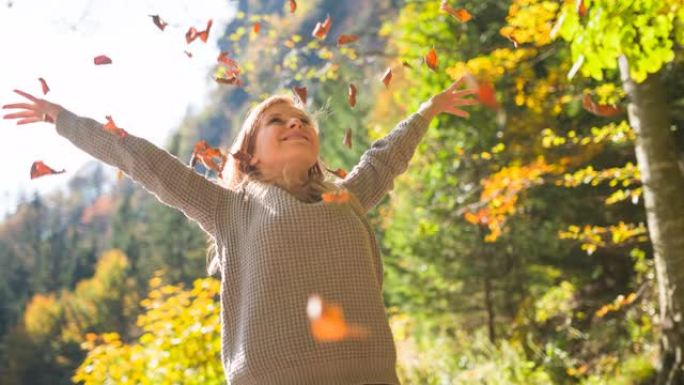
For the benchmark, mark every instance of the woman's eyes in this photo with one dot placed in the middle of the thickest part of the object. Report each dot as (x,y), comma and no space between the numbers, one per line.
(278,120)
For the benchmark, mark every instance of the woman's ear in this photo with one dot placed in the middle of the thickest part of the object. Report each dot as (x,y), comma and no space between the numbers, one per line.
(253,161)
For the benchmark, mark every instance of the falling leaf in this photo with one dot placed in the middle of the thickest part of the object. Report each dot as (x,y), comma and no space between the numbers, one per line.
(431,59)
(111,127)
(347,141)
(581,8)
(44,86)
(484,91)
(38,169)
(193,34)
(301,93)
(188,54)
(293,6)
(102,59)
(119,174)
(225,59)
(336,196)
(339,172)
(459,14)
(206,154)
(352,95)
(406,64)
(256,27)
(346,39)
(328,324)
(387,77)
(158,21)
(321,30)
(599,109)
(229,72)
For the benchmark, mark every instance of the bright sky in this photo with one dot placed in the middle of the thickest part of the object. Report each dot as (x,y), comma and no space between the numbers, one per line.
(147,89)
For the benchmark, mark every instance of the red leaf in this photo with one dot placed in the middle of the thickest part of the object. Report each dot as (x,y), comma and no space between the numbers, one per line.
(339,172)
(232,72)
(345,39)
(111,127)
(206,154)
(293,6)
(352,95)
(581,8)
(44,86)
(321,30)
(301,93)
(387,77)
(193,33)
(38,169)
(327,323)
(485,92)
(599,109)
(158,21)
(459,14)
(102,59)
(431,59)
(336,196)
(256,27)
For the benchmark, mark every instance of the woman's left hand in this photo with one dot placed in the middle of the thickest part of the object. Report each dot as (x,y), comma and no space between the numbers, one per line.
(449,101)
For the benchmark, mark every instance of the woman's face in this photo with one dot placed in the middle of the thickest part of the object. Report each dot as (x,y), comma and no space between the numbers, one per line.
(285,139)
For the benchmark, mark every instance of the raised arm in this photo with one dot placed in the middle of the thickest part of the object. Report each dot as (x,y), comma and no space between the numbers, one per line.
(388,157)
(159,172)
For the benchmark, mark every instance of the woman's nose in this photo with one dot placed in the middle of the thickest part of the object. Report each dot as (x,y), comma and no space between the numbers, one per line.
(294,122)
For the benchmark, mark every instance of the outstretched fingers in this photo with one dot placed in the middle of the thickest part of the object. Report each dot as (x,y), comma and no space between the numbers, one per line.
(23,114)
(458,112)
(27,96)
(25,106)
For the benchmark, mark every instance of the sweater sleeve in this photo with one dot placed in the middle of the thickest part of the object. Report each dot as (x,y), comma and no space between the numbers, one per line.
(159,172)
(387,158)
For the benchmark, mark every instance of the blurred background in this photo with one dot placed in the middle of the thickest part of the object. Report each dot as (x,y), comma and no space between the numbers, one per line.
(517,248)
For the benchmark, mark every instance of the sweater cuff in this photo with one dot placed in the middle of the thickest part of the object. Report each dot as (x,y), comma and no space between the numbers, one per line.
(65,122)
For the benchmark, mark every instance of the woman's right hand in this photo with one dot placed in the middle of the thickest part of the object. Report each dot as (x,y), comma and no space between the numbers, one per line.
(40,110)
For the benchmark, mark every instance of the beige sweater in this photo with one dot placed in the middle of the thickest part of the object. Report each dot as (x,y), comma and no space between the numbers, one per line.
(275,251)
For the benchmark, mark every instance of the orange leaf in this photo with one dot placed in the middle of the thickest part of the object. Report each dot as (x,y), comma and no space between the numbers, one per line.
(459,14)
(206,154)
(38,169)
(352,95)
(158,21)
(111,127)
(256,27)
(485,92)
(431,59)
(339,172)
(599,109)
(102,59)
(293,6)
(387,77)
(328,324)
(345,39)
(232,72)
(44,86)
(348,138)
(336,196)
(581,8)
(321,30)
(300,92)
(193,33)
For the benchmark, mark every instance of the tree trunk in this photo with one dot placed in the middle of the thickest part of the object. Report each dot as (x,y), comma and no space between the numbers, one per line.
(663,189)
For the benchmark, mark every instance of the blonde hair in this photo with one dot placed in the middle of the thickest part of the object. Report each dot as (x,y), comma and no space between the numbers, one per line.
(237,171)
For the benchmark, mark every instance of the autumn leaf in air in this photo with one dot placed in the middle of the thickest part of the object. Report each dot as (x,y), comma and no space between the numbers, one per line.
(327,323)
(102,59)
(352,95)
(459,14)
(111,127)
(193,33)
(336,196)
(431,59)
(339,172)
(38,169)
(387,77)
(293,6)
(188,53)
(321,30)
(44,86)
(406,64)
(206,154)
(599,109)
(300,93)
(484,91)
(161,24)
(347,141)
(581,8)
(346,39)
(256,27)
(228,72)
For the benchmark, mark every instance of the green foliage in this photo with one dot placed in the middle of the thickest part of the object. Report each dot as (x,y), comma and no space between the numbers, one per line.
(644,31)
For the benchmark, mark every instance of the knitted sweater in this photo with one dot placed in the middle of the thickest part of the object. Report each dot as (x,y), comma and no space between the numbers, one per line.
(275,251)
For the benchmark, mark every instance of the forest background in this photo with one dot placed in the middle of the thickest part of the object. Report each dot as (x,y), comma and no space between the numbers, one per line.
(518,247)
